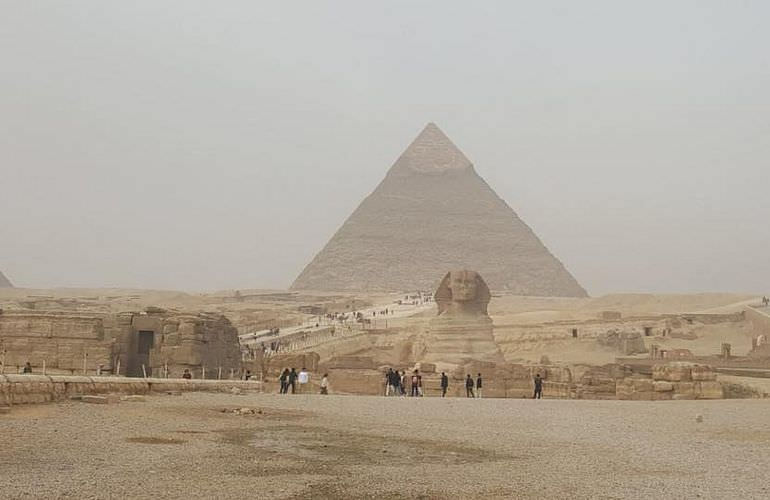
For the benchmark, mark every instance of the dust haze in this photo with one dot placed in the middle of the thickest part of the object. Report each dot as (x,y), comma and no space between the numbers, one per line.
(188,145)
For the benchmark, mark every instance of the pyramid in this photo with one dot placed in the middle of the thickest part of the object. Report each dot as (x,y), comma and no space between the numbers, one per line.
(433,213)
(4,282)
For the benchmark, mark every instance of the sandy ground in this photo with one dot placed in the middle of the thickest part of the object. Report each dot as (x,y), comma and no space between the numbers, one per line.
(370,447)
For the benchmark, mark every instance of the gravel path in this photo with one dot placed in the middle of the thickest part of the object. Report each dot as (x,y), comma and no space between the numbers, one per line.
(375,447)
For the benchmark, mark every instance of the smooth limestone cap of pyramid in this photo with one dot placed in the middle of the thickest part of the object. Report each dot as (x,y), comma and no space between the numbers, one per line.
(431,152)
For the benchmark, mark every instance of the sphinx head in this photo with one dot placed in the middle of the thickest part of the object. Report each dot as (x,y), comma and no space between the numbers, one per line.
(462,292)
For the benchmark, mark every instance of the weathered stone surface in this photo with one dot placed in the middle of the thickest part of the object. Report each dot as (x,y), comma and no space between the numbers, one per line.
(703,373)
(709,390)
(101,400)
(663,386)
(134,398)
(673,372)
(626,343)
(433,212)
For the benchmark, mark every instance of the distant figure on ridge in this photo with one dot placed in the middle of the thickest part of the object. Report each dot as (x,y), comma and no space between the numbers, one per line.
(444,384)
(538,387)
(469,386)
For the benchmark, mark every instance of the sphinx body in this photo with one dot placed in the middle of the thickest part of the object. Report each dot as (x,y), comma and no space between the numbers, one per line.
(462,330)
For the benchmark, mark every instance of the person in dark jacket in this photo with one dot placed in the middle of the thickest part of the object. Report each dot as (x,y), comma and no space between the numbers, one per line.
(478,386)
(538,387)
(293,380)
(469,386)
(444,384)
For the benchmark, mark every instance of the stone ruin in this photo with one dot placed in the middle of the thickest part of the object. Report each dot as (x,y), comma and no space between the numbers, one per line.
(433,212)
(625,343)
(156,343)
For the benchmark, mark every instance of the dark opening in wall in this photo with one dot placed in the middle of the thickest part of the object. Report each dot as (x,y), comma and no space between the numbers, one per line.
(647,331)
(574,333)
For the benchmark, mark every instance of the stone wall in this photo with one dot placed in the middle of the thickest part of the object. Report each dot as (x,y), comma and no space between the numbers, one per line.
(26,389)
(67,343)
(64,341)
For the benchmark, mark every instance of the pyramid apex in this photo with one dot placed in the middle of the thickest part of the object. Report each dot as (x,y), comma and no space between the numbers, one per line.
(431,152)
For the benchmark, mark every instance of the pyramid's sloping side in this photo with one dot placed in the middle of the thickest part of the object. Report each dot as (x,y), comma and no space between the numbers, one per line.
(416,226)
(5,282)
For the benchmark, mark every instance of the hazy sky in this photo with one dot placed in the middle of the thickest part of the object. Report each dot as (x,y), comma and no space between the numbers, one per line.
(210,145)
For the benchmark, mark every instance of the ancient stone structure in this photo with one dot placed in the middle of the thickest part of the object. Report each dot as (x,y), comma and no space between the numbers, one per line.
(433,212)
(164,344)
(462,331)
(5,282)
(625,343)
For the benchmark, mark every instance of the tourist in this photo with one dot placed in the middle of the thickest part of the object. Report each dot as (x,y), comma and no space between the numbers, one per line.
(469,386)
(325,384)
(415,384)
(284,380)
(538,387)
(27,368)
(186,375)
(303,378)
(402,381)
(292,381)
(478,386)
(395,383)
(388,381)
(444,384)
(247,376)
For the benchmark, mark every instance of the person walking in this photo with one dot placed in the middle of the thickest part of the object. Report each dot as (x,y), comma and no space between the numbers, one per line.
(284,379)
(538,387)
(478,386)
(402,381)
(292,380)
(304,379)
(325,384)
(444,384)
(468,386)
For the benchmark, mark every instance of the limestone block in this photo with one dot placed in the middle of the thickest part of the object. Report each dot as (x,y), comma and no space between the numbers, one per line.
(4,410)
(709,390)
(684,388)
(703,373)
(642,384)
(101,400)
(663,386)
(673,372)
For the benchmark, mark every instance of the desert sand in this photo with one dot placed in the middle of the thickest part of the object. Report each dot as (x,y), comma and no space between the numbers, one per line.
(367,447)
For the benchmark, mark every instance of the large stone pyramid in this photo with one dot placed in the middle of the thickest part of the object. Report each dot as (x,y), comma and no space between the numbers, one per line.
(433,213)
(5,282)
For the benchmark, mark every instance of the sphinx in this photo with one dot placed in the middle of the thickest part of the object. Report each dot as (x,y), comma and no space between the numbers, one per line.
(461,332)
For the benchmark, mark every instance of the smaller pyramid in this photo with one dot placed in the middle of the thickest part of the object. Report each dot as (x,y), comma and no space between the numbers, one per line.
(5,282)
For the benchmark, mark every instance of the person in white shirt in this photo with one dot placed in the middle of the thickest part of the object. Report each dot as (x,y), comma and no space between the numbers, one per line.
(325,384)
(303,378)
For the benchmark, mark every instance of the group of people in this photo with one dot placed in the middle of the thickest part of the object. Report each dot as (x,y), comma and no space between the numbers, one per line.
(299,382)
(396,382)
